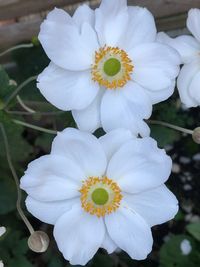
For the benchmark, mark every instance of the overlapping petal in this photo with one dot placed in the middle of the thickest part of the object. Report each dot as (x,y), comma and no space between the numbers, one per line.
(193,22)
(62,88)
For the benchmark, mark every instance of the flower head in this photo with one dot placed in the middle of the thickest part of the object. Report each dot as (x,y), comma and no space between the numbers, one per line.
(189,50)
(106,66)
(101,193)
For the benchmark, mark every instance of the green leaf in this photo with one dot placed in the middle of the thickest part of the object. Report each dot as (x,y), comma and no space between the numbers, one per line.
(194,230)
(6,88)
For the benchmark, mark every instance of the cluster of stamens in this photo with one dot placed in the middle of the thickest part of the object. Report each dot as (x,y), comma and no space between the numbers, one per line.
(100,196)
(112,68)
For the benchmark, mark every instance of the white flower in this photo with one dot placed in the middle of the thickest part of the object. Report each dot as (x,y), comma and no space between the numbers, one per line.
(1,264)
(106,66)
(104,192)
(2,230)
(189,49)
(186,247)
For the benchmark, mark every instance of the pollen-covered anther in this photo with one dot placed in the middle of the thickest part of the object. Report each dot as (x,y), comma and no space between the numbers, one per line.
(100,196)
(112,68)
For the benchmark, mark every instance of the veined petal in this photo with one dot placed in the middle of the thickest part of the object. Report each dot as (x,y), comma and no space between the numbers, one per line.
(139,165)
(79,240)
(118,112)
(141,28)
(62,88)
(130,232)
(111,21)
(83,148)
(156,206)
(194,88)
(187,46)
(88,119)
(184,81)
(68,46)
(113,140)
(108,244)
(52,178)
(193,22)
(49,212)
(84,14)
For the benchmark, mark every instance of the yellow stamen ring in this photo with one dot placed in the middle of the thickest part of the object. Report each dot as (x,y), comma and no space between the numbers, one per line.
(100,196)
(112,68)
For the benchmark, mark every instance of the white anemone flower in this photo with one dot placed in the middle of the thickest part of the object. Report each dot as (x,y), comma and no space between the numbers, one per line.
(101,193)
(106,66)
(189,50)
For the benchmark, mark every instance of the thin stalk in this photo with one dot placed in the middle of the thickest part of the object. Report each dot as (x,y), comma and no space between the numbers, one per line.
(172,126)
(16,48)
(48,113)
(18,89)
(41,129)
(24,106)
(12,169)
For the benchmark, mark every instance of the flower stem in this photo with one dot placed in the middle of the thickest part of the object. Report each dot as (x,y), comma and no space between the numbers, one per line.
(18,89)
(15,48)
(18,203)
(41,129)
(172,126)
(24,106)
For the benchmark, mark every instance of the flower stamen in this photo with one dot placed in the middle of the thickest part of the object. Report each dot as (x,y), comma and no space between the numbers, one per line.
(100,196)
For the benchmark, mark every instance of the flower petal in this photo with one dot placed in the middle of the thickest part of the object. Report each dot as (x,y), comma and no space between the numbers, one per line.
(68,46)
(193,22)
(141,28)
(118,112)
(49,212)
(111,21)
(88,119)
(108,244)
(187,46)
(194,88)
(77,239)
(156,206)
(139,165)
(113,140)
(52,178)
(83,148)
(130,232)
(60,16)
(84,14)
(62,88)
(155,65)
(184,81)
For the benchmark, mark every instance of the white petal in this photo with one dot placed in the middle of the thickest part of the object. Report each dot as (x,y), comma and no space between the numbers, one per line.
(118,112)
(51,178)
(130,232)
(88,119)
(193,22)
(108,244)
(161,95)
(156,206)
(111,21)
(60,16)
(139,165)
(2,230)
(79,235)
(83,148)
(138,98)
(62,88)
(49,212)
(155,65)
(68,46)
(184,81)
(187,46)
(140,29)
(84,14)
(113,140)
(194,88)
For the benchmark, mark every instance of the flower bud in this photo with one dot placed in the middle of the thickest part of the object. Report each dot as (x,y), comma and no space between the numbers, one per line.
(196,135)
(38,242)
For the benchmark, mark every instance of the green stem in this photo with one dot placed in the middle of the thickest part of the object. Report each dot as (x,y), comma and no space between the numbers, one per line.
(15,48)
(24,106)
(18,89)
(18,203)
(172,126)
(41,129)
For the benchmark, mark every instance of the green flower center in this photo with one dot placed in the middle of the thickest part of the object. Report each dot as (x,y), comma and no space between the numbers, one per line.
(112,66)
(100,196)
